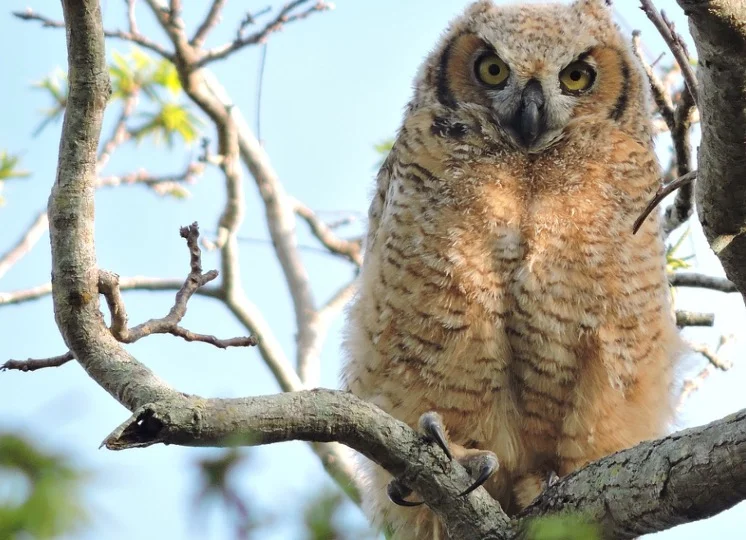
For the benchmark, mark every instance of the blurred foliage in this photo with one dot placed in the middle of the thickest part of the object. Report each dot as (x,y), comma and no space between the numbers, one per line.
(216,487)
(323,519)
(383,148)
(674,261)
(51,506)
(166,116)
(9,169)
(565,527)
(55,85)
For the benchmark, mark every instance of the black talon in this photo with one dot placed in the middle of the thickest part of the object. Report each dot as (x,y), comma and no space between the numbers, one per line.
(432,426)
(552,478)
(397,491)
(485,471)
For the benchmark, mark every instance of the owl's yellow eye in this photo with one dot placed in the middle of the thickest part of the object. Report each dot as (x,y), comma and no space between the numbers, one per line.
(576,78)
(491,70)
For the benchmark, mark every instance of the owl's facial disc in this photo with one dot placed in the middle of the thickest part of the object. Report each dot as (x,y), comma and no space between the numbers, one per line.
(529,121)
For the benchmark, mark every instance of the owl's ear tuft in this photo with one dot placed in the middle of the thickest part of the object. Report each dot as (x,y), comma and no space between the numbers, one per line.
(597,9)
(478,7)
(592,5)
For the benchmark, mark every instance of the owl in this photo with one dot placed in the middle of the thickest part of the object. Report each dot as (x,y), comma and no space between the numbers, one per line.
(505,307)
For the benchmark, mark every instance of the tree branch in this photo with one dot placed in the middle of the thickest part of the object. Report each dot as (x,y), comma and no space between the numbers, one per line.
(108,285)
(283,17)
(720,36)
(32,364)
(349,249)
(657,484)
(322,416)
(691,279)
(211,20)
(131,36)
(675,43)
(135,283)
(25,244)
(662,193)
(692,318)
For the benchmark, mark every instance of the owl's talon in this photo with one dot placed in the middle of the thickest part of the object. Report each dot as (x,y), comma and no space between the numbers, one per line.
(484,462)
(397,493)
(431,425)
(552,478)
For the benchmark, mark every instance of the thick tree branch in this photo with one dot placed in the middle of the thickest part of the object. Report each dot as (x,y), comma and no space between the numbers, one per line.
(322,416)
(651,487)
(718,30)
(74,270)
(658,484)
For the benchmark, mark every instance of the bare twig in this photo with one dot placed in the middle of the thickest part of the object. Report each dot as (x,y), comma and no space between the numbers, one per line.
(691,279)
(131,18)
(283,17)
(693,384)
(661,194)
(133,37)
(350,249)
(32,364)
(161,184)
(692,318)
(109,287)
(712,356)
(683,206)
(134,283)
(25,244)
(212,19)
(675,43)
(120,134)
(660,93)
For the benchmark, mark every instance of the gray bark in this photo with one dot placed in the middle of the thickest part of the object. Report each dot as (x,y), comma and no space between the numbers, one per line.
(719,31)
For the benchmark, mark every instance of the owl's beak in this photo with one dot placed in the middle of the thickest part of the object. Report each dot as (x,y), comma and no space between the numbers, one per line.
(530,121)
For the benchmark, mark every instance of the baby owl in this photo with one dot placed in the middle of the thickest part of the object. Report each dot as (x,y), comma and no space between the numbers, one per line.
(505,308)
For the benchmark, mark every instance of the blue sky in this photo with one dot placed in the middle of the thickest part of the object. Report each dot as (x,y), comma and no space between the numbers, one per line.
(334,85)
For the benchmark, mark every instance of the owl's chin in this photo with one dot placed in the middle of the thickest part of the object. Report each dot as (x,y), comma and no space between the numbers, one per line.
(542,143)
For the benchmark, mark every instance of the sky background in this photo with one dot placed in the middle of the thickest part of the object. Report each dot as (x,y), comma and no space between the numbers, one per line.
(335,84)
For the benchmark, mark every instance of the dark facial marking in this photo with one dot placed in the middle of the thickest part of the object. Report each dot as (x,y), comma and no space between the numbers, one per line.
(622,101)
(443,90)
(444,127)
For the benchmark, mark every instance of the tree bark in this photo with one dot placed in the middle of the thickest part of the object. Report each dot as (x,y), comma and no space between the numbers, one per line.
(718,28)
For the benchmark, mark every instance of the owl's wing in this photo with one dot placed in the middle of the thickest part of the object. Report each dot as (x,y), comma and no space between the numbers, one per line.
(378,204)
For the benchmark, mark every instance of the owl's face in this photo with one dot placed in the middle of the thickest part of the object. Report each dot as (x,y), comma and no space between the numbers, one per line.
(533,70)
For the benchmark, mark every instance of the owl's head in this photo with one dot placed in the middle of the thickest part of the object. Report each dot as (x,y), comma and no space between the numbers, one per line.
(534,72)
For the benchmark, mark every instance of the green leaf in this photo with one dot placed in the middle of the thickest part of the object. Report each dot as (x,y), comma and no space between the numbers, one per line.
(165,75)
(55,84)
(674,262)
(565,527)
(8,167)
(383,148)
(171,120)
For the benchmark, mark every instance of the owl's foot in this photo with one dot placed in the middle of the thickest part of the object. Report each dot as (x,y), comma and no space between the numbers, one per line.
(481,464)
(528,488)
